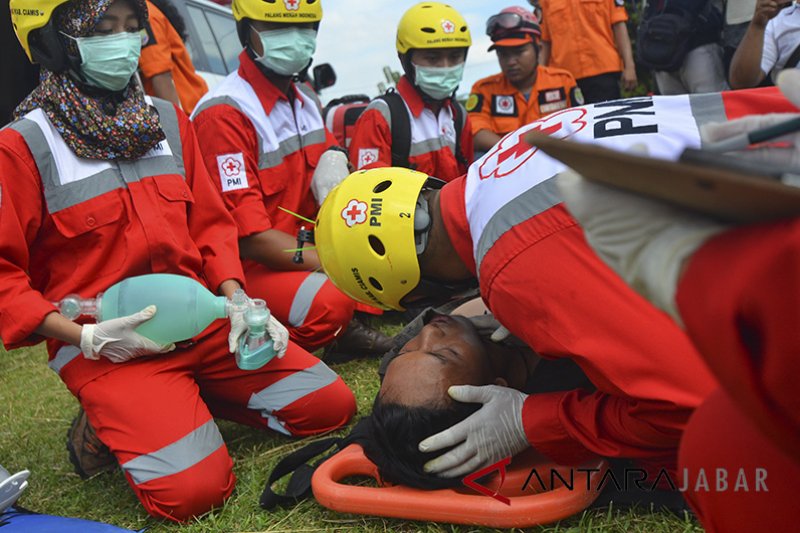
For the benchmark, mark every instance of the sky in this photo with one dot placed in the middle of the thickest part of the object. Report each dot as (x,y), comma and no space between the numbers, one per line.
(357,37)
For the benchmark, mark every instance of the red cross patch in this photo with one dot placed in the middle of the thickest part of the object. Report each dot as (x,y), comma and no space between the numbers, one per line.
(291,5)
(512,151)
(355,212)
(367,156)
(448,26)
(232,172)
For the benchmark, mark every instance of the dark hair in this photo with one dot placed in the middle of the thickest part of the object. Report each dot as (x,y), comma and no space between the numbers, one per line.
(395,431)
(173,16)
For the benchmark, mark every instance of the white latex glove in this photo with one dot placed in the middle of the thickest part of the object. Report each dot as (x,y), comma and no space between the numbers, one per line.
(279,335)
(644,241)
(116,339)
(238,328)
(493,432)
(331,170)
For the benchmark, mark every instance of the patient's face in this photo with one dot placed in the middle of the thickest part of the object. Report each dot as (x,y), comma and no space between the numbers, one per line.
(446,352)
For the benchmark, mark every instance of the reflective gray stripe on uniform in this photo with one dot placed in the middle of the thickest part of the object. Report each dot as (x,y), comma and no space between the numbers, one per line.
(60,196)
(169,124)
(219,100)
(64,355)
(304,297)
(430,145)
(535,200)
(291,388)
(73,193)
(289,146)
(381,107)
(309,93)
(40,149)
(707,108)
(176,457)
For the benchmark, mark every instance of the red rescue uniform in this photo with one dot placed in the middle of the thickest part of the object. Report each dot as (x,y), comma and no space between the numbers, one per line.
(738,300)
(73,225)
(261,149)
(542,281)
(433,136)
(496,105)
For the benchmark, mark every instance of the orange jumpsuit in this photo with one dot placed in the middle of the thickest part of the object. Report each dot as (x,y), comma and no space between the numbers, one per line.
(165,52)
(496,105)
(582,41)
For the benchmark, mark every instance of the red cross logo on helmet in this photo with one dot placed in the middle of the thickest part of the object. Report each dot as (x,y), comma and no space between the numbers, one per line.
(292,5)
(354,213)
(448,26)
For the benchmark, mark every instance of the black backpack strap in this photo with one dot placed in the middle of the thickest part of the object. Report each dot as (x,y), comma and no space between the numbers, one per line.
(299,487)
(459,119)
(297,464)
(401,128)
(793,59)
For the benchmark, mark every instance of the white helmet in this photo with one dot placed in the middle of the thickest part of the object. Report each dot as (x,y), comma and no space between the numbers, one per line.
(11,487)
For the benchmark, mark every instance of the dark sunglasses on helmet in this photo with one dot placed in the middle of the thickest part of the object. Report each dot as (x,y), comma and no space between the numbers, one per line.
(508,21)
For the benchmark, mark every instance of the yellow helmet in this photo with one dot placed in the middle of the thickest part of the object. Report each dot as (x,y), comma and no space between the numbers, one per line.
(365,236)
(285,11)
(432,25)
(30,15)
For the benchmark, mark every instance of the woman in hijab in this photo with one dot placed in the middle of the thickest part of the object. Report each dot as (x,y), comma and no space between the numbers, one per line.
(98,184)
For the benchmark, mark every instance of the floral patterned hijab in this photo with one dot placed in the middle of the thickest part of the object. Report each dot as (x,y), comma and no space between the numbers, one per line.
(105,126)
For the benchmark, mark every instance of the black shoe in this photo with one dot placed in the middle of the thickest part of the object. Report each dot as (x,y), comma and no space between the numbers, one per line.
(86,451)
(358,341)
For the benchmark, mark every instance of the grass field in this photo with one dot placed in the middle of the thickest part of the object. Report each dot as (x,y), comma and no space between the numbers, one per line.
(37,410)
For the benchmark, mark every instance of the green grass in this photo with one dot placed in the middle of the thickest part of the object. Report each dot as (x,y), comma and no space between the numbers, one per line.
(37,410)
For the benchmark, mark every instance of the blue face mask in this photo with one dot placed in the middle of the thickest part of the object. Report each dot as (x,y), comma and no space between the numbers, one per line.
(287,51)
(439,82)
(109,61)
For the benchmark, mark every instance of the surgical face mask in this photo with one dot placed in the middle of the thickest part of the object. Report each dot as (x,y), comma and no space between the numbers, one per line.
(109,61)
(439,82)
(287,51)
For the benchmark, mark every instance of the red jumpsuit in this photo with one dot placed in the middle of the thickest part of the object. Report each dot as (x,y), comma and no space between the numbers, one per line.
(432,149)
(738,299)
(72,225)
(541,280)
(261,150)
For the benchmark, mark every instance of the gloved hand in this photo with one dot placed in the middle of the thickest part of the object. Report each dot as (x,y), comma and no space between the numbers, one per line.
(488,326)
(646,242)
(116,339)
(279,335)
(331,170)
(493,432)
(782,151)
(239,304)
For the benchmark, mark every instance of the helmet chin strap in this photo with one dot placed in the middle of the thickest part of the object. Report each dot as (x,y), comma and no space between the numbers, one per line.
(422,224)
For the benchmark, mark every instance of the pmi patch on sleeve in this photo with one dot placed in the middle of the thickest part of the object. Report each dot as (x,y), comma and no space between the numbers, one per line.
(367,156)
(232,172)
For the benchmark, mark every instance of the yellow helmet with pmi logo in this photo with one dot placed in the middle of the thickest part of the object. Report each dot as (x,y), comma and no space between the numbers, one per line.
(365,235)
(30,15)
(284,11)
(432,25)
